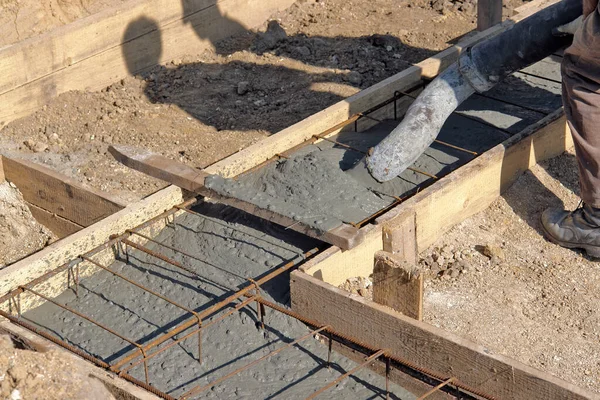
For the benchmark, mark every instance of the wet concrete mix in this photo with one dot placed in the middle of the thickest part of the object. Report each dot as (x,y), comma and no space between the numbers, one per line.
(234,246)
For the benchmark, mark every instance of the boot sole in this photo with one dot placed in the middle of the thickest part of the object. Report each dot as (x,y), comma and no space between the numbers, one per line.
(592,251)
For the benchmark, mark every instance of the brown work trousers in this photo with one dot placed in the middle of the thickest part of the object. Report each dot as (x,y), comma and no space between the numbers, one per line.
(581,98)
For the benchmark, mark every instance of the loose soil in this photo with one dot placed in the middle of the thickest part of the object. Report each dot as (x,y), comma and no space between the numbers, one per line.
(517,293)
(204,107)
(20,233)
(494,279)
(50,375)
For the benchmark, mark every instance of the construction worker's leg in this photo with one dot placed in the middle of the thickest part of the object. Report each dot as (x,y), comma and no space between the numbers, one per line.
(581,98)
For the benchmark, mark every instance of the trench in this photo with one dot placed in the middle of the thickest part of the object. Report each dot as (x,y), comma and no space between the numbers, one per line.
(229,246)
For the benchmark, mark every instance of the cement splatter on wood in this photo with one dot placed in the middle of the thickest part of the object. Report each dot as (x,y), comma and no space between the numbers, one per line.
(235,246)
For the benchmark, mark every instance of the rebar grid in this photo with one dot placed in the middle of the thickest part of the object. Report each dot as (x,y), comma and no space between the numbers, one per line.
(141,354)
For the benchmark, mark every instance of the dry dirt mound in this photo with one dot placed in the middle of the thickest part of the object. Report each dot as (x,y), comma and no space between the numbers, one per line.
(20,233)
(28,374)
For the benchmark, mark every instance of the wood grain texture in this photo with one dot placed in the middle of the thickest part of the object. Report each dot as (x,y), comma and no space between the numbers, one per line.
(57,193)
(59,226)
(335,266)
(159,167)
(425,345)
(398,284)
(400,237)
(80,242)
(489,13)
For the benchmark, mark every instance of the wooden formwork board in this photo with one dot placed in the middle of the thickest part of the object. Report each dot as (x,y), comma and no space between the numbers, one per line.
(55,200)
(73,246)
(119,388)
(425,345)
(457,196)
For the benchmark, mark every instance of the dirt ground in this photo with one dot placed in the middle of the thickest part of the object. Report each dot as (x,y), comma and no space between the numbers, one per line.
(20,233)
(519,294)
(495,280)
(28,374)
(207,106)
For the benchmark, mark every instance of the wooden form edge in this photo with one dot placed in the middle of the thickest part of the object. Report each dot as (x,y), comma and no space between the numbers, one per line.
(425,345)
(57,194)
(69,248)
(455,197)
(474,186)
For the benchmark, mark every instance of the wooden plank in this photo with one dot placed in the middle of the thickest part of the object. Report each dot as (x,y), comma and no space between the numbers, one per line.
(473,187)
(120,388)
(400,238)
(489,13)
(58,194)
(160,167)
(59,226)
(343,236)
(96,51)
(425,345)
(408,383)
(398,284)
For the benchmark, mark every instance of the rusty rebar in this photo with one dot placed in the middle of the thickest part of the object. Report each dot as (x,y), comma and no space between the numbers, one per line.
(175,249)
(435,389)
(369,359)
(216,307)
(160,296)
(198,389)
(186,336)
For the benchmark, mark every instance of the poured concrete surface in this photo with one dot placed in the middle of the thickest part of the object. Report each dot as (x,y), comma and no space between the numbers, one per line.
(307,188)
(235,246)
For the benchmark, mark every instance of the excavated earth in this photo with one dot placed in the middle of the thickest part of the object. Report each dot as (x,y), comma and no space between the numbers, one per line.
(233,246)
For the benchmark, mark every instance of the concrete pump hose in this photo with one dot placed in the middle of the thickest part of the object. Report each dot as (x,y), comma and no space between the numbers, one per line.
(479,69)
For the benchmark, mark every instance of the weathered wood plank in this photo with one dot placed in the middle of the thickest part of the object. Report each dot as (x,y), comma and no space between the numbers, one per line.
(489,13)
(400,238)
(335,266)
(59,226)
(155,165)
(69,248)
(398,284)
(58,194)
(425,345)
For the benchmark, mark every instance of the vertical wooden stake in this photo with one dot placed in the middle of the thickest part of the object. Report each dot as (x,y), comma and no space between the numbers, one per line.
(398,284)
(400,237)
(489,13)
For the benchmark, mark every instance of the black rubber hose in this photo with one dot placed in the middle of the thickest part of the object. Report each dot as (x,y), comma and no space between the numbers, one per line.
(523,44)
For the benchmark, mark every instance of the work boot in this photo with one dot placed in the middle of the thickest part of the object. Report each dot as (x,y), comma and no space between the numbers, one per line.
(579,229)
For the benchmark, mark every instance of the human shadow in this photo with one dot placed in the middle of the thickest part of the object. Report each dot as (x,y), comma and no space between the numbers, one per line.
(234,95)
